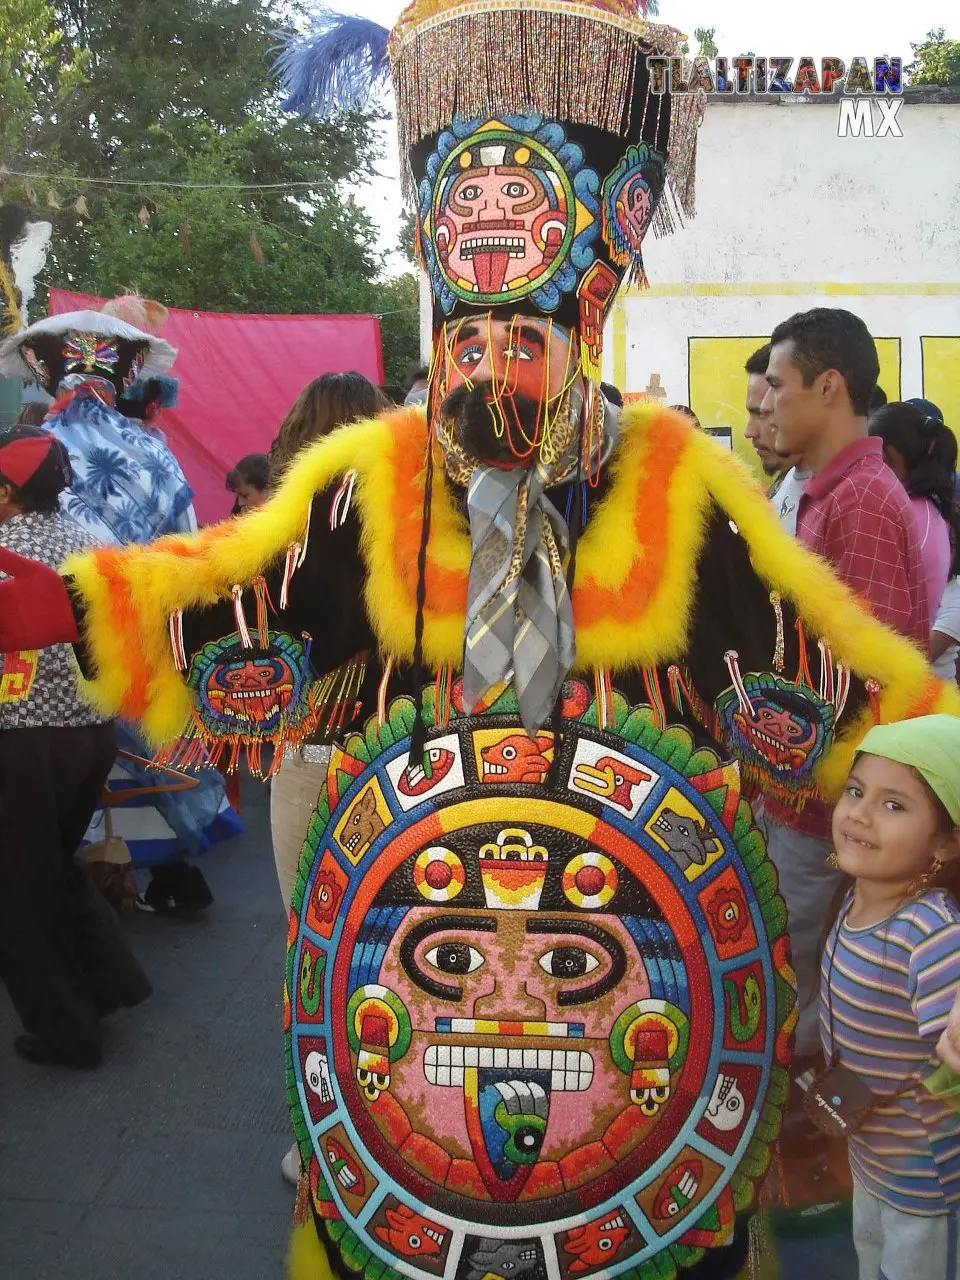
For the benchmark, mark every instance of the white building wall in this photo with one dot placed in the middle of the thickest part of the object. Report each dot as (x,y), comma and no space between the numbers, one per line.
(658,329)
(790,217)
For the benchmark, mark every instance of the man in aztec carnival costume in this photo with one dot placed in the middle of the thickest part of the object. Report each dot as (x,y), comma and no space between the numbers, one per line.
(539,1003)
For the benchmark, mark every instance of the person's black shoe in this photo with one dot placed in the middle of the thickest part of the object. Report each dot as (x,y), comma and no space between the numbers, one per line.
(32,1049)
(138,989)
(176,890)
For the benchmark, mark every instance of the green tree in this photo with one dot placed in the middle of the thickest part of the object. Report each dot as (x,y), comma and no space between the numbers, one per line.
(400,324)
(705,38)
(142,96)
(170,64)
(706,44)
(936,60)
(37,73)
(407,239)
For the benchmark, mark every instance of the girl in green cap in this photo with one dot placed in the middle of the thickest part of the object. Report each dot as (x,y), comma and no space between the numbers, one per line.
(891,969)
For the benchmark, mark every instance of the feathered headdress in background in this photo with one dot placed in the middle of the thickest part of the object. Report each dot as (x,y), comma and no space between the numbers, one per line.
(141,313)
(91,343)
(13,224)
(24,242)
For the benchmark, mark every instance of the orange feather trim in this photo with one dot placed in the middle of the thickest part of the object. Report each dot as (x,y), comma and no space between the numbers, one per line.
(641,515)
(633,599)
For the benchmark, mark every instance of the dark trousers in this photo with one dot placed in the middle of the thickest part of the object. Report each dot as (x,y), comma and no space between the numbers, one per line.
(63,956)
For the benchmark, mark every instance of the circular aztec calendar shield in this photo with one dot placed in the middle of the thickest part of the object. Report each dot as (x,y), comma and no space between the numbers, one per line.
(534,1032)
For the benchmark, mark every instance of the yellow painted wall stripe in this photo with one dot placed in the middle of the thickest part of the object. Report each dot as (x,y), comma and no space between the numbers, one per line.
(774,289)
(941,361)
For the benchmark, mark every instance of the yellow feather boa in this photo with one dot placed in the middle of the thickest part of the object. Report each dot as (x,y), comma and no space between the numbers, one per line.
(636,575)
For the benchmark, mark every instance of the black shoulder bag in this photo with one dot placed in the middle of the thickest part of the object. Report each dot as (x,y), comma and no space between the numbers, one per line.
(837,1101)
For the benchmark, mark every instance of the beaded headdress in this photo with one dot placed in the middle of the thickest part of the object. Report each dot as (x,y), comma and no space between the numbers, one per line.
(539,157)
(84,344)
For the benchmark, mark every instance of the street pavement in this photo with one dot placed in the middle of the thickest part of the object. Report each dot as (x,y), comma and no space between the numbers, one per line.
(165,1163)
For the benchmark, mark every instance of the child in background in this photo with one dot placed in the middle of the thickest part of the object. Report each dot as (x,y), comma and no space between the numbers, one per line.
(890,973)
(250,481)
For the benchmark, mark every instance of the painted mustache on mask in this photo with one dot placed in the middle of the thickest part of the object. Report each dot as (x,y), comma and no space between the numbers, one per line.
(480,421)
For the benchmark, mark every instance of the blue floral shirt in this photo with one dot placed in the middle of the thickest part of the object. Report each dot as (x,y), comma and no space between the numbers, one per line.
(127,485)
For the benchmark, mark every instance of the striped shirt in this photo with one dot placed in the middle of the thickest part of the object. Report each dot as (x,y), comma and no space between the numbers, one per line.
(893,986)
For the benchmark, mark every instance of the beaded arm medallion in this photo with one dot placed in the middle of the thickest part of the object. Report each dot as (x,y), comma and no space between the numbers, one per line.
(534,1030)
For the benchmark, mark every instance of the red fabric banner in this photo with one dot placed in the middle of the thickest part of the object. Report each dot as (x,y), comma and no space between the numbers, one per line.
(239,375)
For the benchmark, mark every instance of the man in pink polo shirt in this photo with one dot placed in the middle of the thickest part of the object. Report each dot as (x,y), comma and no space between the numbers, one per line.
(854,512)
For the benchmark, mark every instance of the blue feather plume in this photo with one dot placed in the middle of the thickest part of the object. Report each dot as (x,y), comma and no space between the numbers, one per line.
(336,68)
(165,391)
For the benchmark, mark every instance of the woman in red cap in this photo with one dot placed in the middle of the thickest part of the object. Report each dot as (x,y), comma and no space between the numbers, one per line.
(63,957)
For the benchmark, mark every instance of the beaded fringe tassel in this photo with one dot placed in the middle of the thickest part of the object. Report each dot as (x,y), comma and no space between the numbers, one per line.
(480,60)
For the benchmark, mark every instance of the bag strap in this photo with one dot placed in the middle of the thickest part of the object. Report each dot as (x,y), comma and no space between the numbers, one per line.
(834,1055)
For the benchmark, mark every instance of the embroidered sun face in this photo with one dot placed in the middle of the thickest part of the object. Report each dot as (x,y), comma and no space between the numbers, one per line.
(525,1000)
(524,234)
(251,691)
(254,688)
(783,730)
(508,210)
(783,736)
(776,728)
(510,1076)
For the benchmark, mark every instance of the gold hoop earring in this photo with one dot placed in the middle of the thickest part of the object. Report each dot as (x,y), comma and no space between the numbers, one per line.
(832,860)
(922,882)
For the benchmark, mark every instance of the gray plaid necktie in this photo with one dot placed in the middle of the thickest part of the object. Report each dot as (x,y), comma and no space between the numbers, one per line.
(519,621)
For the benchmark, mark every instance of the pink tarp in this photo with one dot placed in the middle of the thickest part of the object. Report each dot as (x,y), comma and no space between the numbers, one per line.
(238,377)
